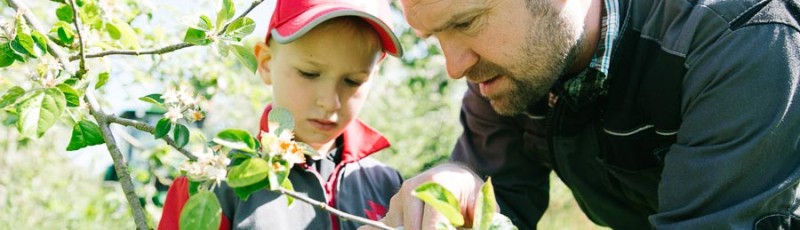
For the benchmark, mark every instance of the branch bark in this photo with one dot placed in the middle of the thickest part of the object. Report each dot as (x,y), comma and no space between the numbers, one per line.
(325,207)
(166,49)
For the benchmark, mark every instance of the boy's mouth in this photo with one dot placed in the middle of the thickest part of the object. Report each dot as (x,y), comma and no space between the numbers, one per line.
(323,125)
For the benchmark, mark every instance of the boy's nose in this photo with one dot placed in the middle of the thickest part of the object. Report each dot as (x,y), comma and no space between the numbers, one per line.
(329,101)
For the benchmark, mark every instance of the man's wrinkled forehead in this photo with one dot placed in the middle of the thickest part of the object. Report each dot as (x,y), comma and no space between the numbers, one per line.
(431,16)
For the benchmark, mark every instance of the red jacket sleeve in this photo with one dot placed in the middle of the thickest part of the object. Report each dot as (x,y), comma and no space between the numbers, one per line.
(177,196)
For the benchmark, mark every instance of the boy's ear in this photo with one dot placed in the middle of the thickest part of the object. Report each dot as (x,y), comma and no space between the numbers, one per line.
(263,55)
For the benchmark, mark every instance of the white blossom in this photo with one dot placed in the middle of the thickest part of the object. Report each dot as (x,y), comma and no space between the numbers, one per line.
(174,114)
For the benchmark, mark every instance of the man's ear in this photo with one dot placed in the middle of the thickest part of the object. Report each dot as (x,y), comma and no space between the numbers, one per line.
(263,56)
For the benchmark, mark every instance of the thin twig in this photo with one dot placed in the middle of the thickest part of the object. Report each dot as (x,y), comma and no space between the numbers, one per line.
(150,129)
(119,162)
(165,49)
(82,67)
(324,206)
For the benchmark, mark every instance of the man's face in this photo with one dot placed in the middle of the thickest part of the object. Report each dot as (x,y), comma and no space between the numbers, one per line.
(513,49)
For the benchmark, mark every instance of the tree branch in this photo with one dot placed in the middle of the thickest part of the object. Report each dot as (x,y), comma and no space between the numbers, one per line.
(150,129)
(119,162)
(325,207)
(52,48)
(75,18)
(165,49)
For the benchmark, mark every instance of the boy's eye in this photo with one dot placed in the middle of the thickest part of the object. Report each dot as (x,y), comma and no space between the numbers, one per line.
(307,74)
(353,83)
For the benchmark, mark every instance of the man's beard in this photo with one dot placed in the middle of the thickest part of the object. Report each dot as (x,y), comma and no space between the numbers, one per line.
(551,45)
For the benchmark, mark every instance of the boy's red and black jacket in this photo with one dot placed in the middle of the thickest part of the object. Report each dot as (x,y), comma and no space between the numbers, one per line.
(359,185)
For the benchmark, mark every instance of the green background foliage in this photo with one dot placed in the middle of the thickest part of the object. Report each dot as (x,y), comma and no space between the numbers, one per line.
(44,186)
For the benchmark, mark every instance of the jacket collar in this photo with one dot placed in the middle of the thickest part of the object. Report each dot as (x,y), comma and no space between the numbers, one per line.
(359,140)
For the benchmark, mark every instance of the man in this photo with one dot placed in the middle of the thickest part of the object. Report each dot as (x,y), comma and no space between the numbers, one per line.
(678,114)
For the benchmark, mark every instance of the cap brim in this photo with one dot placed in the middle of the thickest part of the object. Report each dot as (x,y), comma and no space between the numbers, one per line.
(300,25)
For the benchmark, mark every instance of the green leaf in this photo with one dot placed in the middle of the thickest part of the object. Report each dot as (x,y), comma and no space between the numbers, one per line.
(287,184)
(240,28)
(23,44)
(246,57)
(442,200)
(40,40)
(272,177)
(40,111)
(59,1)
(201,211)
(484,207)
(85,133)
(196,36)
(124,33)
(72,96)
(7,55)
(153,99)
(225,13)
(64,13)
(101,80)
(251,171)
(237,139)
(223,47)
(245,192)
(501,222)
(181,135)
(194,187)
(11,96)
(283,117)
(205,23)
(162,128)
(63,33)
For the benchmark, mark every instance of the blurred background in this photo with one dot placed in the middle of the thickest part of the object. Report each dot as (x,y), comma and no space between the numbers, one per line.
(43,186)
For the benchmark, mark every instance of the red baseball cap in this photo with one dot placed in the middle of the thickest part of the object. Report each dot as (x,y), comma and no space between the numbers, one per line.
(294,18)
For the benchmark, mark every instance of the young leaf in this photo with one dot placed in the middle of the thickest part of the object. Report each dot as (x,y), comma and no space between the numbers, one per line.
(223,47)
(484,207)
(23,44)
(181,135)
(11,96)
(162,128)
(101,80)
(196,36)
(283,117)
(153,99)
(237,139)
(205,23)
(40,40)
(501,222)
(72,96)
(442,200)
(251,171)
(246,57)
(40,111)
(201,211)
(272,177)
(64,13)
(7,55)
(245,192)
(85,133)
(225,13)
(287,184)
(64,35)
(240,28)
(126,34)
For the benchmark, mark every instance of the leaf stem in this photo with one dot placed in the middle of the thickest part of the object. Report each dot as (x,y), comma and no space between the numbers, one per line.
(150,129)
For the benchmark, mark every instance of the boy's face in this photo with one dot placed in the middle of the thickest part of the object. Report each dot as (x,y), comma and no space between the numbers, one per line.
(322,78)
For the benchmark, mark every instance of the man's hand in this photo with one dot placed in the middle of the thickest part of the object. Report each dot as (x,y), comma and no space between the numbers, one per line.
(410,212)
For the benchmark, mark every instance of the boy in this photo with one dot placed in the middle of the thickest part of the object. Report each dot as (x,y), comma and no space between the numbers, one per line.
(319,56)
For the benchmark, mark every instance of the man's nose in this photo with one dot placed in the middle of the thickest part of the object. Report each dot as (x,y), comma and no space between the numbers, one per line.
(458,57)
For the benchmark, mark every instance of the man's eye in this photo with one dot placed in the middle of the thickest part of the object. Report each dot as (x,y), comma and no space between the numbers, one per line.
(308,74)
(464,25)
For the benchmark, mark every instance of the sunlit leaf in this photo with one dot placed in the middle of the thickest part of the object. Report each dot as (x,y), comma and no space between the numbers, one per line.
(201,211)
(85,133)
(442,200)
(162,128)
(223,48)
(240,28)
(101,80)
(246,57)
(244,192)
(40,40)
(225,13)
(7,55)
(205,23)
(287,184)
(23,44)
(64,35)
(153,99)
(11,96)
(124,33)
(181,135)
(40,111)
(251,171)
(64,13)
(484,207)
(237,139)
(196,36)
(72,96)
(283,117)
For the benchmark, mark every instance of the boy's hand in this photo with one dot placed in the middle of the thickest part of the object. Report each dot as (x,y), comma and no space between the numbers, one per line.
(410,212)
